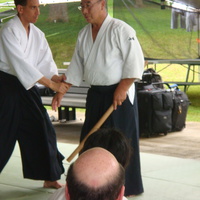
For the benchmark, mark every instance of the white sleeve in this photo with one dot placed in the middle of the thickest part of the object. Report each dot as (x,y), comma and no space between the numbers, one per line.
(74,72)
(26,73)
(46,64)
(131,52)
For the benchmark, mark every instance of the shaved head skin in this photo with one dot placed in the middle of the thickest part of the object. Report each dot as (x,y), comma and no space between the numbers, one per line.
(93,174)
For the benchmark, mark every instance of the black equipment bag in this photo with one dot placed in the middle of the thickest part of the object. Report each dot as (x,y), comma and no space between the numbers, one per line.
(180,108)
(155,111)
(162,110)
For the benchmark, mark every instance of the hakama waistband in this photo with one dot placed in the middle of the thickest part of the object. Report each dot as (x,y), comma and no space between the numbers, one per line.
(103,89)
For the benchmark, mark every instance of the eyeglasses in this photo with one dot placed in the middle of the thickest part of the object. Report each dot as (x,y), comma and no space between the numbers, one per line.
(87,5)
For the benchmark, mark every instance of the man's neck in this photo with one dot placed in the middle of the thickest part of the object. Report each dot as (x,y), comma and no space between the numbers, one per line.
(25,24)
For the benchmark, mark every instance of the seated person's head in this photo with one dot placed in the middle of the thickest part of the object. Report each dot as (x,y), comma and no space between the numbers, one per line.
(113,140)
(95,175)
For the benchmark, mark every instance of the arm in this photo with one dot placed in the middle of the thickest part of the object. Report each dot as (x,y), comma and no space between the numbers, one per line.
(58,97)
(29,66)
(120,93)
(56,101)
(133,64)
(13,56)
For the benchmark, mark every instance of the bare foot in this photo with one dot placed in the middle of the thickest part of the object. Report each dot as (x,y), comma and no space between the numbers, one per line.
(52,184)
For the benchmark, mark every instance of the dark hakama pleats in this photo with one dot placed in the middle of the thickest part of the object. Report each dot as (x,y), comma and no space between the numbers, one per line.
(23,118)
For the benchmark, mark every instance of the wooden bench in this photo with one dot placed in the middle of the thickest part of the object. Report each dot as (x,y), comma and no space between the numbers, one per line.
(74,98)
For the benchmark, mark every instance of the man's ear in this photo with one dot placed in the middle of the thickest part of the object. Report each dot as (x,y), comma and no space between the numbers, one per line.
(103,5)
(67,192)
(20,9)
(121,194)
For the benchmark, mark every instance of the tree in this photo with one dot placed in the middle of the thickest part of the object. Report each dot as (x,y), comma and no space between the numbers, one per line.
(139,3)
(58,12)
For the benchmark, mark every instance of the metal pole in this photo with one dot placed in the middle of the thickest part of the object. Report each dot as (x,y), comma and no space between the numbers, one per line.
(198,33)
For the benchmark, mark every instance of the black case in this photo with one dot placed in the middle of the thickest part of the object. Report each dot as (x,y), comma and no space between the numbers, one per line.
(160,110)
(155,111)
(180,108)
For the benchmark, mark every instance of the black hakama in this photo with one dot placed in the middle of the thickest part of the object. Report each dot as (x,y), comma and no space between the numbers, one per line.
(125,118)
(23,118)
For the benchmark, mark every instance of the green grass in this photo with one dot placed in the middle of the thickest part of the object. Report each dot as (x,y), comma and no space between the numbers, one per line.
(62,38)
(2,9)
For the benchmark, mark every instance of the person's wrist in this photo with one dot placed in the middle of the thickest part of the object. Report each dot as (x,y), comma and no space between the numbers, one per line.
(51,84)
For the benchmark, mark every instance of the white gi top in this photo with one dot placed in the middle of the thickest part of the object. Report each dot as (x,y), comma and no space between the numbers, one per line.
(27,58)
(60,195)
(114,55)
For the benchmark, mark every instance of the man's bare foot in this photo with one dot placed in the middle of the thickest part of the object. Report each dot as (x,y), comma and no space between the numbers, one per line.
(52,184)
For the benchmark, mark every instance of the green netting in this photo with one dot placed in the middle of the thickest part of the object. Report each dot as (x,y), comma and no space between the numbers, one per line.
(153,27)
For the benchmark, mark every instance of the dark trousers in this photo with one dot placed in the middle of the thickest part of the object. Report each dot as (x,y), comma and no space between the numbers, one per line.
(125,118)
(23,118)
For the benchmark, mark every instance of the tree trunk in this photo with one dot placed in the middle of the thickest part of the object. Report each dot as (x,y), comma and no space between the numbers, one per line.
(139,3)
(58,13)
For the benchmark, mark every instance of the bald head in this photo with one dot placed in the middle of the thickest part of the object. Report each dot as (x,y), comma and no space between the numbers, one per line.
(96,174)
(96,167)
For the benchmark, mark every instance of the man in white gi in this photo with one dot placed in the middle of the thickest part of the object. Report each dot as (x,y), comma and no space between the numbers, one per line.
(96,174)
(109,57)
(25,59)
